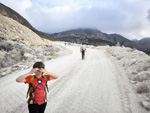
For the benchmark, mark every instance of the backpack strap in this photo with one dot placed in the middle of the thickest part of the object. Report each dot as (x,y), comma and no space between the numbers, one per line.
(45,77)
(30,85)
(46,81)
(32,77)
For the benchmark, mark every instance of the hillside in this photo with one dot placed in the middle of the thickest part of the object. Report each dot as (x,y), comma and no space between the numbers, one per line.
(135,64)
(143,45)
(93,37)
(109,80)
(8,12)
(20,47)
(97,38)
(88,36)
(116,38)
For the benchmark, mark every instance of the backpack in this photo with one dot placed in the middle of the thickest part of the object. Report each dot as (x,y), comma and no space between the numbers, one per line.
(83,48)
(30,85)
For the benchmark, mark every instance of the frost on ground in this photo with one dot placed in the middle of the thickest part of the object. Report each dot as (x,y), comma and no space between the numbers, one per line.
(137,67)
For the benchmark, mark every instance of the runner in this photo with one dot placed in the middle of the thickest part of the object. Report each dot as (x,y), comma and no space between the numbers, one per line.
(83,50)
(37,86)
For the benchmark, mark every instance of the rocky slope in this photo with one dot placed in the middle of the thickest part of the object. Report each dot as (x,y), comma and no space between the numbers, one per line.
(20,47)
(143,45)
(12,30)
(116,38)
(88,36)
(93,37)
(136,66)
(8,12)
(96,37)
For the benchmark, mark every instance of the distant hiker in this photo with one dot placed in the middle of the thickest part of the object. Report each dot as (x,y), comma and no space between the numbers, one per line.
(83,50)
(37,79)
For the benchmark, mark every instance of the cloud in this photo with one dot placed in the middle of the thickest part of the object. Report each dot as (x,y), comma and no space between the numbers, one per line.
(18,5)
(148,14)
(125,17)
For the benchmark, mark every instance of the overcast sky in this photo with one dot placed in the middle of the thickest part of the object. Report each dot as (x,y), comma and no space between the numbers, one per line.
(130,18)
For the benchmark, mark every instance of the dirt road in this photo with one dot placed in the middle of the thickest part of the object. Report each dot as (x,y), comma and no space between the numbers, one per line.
(93,85)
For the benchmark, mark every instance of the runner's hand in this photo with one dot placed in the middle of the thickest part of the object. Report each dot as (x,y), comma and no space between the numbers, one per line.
(43,70)
(33,70)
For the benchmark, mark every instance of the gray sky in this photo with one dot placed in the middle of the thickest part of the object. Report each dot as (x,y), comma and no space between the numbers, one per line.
(130,18)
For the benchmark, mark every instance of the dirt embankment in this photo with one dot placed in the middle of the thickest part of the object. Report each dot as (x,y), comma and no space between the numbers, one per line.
(20,47)
(137,67)
(10,13)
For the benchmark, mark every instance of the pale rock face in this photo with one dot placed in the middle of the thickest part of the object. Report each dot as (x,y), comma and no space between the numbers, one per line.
(19,45)
(146,104)
(136,64)
(12,30)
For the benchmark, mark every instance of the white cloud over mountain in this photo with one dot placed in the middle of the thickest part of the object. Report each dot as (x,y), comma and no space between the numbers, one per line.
(126,17)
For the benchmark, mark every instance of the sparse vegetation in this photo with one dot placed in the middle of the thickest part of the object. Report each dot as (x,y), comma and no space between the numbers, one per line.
(118,44)
(11,53)
(21,47)
(14,53)
(141,78)
(136,64)
(6,46)
(143,88)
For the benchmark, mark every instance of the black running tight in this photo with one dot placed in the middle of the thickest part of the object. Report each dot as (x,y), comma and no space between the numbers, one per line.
(35,108)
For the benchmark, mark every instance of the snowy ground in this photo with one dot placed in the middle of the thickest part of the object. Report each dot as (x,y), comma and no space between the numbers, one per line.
(94,85)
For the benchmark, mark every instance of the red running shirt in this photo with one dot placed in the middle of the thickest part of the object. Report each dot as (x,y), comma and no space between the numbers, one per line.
(39,94)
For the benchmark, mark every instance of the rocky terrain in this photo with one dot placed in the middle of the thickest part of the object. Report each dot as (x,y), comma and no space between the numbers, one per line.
(136,64)
(8,12)
(143,45)
(88,36)
(20,47)
(98,38)
(93,37)
(109,80)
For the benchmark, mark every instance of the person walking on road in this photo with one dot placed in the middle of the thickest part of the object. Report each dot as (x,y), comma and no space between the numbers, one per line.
(83,50)
(37,79)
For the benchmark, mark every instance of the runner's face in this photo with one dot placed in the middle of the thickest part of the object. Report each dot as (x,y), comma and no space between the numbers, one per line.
(38,71)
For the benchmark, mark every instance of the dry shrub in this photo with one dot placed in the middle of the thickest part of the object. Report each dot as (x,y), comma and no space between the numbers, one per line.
(2,63)
(10,58)
(6,46)
(57,49)
(143,88)
(16,55)
(141,77)
(52,51)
